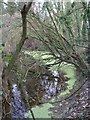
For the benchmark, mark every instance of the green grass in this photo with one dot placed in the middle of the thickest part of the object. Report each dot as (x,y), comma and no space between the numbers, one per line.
(69,69)
(41,55)
(40,111)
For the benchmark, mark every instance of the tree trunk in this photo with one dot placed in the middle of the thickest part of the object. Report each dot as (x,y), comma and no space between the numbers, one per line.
(6,80)
(88,50)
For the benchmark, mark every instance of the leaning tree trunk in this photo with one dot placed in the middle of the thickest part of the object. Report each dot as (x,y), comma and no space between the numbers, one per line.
(6,82)
(88,50)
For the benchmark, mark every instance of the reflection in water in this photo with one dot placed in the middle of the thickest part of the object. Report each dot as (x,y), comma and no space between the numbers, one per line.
(55,73)
(52,86)
(17,106)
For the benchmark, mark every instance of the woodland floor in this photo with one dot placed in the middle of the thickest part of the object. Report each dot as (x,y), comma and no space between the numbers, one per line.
(77,106)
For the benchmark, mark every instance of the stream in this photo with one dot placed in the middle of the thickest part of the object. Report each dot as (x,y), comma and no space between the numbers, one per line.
(17,106)
(49,88)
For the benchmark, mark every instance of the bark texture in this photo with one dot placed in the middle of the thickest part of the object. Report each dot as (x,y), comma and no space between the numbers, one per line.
(6,80)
